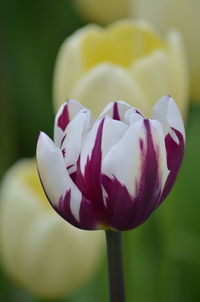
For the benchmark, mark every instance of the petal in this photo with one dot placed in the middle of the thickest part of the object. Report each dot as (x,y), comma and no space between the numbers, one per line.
(63,117)
(62,193)
(74,136)
(180,74)
(106,83)
(116,110)
(53,173)
(121,43)
(148,71)
(132,115)
(105,133)
(139,181)
(69,65)
(166,111)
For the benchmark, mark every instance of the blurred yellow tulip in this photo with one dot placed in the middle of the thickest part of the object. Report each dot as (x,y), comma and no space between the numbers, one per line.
(38,249)
(163,14)
(127,60)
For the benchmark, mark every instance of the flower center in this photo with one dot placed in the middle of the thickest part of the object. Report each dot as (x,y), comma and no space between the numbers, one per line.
(120,44)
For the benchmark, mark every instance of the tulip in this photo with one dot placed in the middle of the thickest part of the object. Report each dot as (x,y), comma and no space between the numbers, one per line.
(38,249)
(127,60)
(114,172)
(163,15)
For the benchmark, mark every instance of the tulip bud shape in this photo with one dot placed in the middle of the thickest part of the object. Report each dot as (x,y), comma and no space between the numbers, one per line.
(111,173)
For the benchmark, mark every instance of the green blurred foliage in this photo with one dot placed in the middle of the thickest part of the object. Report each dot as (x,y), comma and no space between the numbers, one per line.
(162,256)
(31,33)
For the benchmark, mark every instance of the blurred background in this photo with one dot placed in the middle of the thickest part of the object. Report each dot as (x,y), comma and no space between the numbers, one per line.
(161,257)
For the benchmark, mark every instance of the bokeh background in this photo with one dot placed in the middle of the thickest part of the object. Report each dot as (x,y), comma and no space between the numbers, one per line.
(161,257)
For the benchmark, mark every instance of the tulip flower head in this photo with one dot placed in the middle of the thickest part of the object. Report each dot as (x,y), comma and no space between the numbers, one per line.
(111,173)
(125,61)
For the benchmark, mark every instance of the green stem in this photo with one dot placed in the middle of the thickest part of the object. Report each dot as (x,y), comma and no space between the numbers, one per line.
(115,266)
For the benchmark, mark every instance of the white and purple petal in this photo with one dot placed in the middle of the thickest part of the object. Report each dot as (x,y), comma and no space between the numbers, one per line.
(104,134)
(74,138)
(63,117)
(134,173)
(167,112)
(60,190)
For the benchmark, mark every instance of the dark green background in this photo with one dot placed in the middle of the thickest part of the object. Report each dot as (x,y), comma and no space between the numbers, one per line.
(162,257)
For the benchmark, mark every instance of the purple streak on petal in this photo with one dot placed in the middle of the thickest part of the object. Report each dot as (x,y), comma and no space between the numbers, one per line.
(116,115)
(63,119)
(62,140)
(86,222)
(138,112)
(64,152)
(141,145)
(175,154)
(70,166)
(89,183)
(149,187)
(64,210)
(125,211)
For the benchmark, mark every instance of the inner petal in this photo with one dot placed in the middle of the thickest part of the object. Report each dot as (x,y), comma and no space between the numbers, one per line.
(121,43)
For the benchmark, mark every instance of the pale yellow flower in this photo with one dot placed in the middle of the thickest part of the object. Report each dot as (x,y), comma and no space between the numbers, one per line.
(39,250)
(127,60)
(163,14)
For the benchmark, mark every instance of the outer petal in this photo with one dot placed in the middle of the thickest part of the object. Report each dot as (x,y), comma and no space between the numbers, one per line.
(166,111)
(134,173)
(105,83)
(63,117)
(60,189)
(69,65)
(179,70)
(74,137)
(116,110)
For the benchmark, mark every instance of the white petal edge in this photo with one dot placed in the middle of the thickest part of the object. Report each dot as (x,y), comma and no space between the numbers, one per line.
(54,176)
